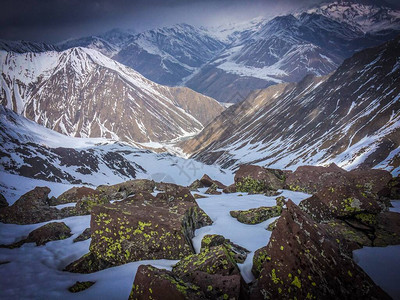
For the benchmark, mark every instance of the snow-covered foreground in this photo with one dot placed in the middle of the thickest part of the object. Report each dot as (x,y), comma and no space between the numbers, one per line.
(36,272)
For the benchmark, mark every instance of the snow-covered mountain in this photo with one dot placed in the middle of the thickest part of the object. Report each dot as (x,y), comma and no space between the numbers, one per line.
(351,117)
(287,48)
(80,92)
(31,150)
(26,46)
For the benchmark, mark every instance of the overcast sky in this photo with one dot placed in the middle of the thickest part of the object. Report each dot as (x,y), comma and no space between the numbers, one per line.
(56,20)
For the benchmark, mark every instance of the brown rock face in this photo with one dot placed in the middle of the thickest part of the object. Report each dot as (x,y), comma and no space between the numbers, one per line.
(3,201)
(73,195)
(127,188)
(256,215)
(153,283)
(208,182)
(256,179)
(143,228)
(303,260)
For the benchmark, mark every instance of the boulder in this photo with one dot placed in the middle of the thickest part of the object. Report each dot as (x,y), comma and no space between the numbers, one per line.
(280,201)
(3,201)
(371,180)
(238,253)
(160,284)
(256,179)
(73,195)
(387,229)
(32,207)
(206,181)
(394,188)
(230,189)
(195,185)
(85,205)
(303,260)
(149,228)
(256,215)
(85,235)
(53,231)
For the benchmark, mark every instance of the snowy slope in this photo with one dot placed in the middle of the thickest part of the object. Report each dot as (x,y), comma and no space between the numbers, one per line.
(34,151)
(351,118)
(81,92)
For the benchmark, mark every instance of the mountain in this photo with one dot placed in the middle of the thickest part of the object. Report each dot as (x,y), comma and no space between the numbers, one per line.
(351,117)
(289,47)
(25,46)
(82,93)
(31,150)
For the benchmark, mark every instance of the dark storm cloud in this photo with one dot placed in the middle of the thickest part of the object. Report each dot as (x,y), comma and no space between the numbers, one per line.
(55,20)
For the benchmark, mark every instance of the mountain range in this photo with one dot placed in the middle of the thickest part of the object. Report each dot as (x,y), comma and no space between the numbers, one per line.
(351,117)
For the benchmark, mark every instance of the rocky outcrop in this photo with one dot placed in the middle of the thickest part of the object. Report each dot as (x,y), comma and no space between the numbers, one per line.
(256,215)
(238,253)
(3,201)
(212,190)
(303,260)
(85,205)
(146,227)
(49,232)
(256,179)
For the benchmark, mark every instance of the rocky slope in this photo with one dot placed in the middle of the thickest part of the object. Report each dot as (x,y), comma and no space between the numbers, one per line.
(80,92)
(350,117)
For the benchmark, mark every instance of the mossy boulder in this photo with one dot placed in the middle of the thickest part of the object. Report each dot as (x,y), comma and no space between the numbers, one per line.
(80,286)
(85,205)
(256,215)
(212,190)
(159,227)
(280,201)
(32,207)
(303,260)
(272,225)
(195,185)
(73,195)
(3,201)
(256,179)
(238,253)
(160,284)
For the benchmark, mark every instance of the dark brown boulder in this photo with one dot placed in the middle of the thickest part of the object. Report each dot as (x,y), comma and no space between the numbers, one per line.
(3,201)
(73,195)
(212,190)
(310,179)
(195,185)
(85,205)
(371,180)
(394,188)
(230,189)
(238,253)
(159,284)
(256,179)
(207,182)
(387,229)
(303,260)
(155,228)
(32,207)
(256,215)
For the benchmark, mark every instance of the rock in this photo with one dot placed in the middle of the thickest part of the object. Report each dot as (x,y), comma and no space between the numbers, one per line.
(207,182)
(394,188)
(169,187)
(85,235)
(125,189)
(256,179)
(155,228)
(88,263)
(73,195)
(303,260)
(272,225)
(160,284)
(212,190)
(340,202)
(230,189)
(387,229)
(198,196)
(238,253)
(195,185)
(271,193)
(3,201)
(32,207)
(356,239)
(256,215)
(80,286)
(310,179)
(49,232)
